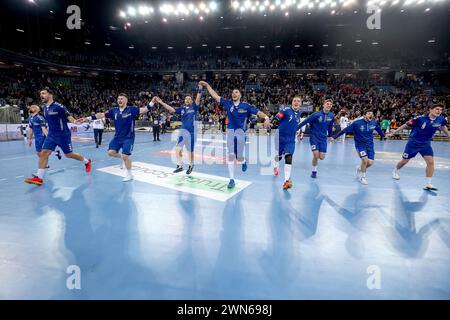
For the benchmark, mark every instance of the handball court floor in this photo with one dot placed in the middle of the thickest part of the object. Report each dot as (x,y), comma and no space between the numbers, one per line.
(323,239)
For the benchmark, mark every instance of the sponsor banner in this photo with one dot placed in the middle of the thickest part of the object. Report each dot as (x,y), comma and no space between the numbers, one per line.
(80,128)
(200,184)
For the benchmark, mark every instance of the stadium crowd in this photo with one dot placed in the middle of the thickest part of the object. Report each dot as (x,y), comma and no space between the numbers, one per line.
(397,101)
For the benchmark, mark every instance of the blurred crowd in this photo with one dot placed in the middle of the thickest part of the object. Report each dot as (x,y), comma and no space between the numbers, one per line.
(397,101)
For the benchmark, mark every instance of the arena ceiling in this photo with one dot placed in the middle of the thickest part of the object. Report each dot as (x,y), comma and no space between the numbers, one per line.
(415,26)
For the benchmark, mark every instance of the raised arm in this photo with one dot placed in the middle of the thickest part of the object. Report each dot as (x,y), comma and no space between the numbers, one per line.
(210,90)
(144,110)
(165,105)
(198,98)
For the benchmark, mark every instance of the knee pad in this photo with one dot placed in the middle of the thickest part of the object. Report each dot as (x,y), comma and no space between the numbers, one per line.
(288,159)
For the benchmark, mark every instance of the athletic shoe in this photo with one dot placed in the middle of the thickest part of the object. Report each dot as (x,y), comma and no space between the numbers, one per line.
(244,166)
(178,169)
(96,146)
(363,180)
(231,184)
(88,166)
(429,187)
(275,172)
(287,184)
(35,180)
(314,174)
(128,178)
(395,175)
(189,170)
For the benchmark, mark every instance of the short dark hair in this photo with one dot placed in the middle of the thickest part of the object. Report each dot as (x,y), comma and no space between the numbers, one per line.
(123,95)
(368,110)
(48,89)
(437,105)
(328,99)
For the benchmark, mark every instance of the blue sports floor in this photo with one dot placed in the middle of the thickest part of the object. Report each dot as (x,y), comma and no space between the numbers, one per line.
(331,238)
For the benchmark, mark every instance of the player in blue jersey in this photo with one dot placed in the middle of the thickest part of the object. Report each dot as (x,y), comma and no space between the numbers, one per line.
(124,117)
(287,121)
(187,135)
(423,129)
(238,112)
(362,129)
(59,134)
(320,127)
(37,128)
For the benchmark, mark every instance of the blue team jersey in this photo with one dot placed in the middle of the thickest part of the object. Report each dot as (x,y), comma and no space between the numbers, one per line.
(423,128)
(123,121)
(188,114)
(56,116)
(36,123)
(320,124)
(363,131)
(237,115)
(289,121)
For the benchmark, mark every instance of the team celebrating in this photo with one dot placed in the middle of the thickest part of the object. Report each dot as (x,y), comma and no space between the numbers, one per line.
(52,131)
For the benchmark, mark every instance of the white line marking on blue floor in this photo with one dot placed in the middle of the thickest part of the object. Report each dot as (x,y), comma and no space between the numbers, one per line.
(3,179)
(18,177)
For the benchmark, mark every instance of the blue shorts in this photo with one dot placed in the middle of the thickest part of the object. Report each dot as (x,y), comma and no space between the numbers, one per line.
(285,147)
(412,149)
(125,144)
(365,151)
(318,144)
(38,143)
(236,142)
(187,138)
(64,141)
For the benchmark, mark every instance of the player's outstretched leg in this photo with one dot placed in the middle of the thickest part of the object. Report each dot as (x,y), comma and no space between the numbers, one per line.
(287,172)
(79,157)
(129,176)
(396,172)
(429,173)
(314,162)
(179,155)
(276,164)
(38,179)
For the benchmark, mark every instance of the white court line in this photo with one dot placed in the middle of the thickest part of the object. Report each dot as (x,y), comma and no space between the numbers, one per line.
(4,179)
(18,177)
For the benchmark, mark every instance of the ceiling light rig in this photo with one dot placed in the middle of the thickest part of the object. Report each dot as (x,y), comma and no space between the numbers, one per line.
(183,9)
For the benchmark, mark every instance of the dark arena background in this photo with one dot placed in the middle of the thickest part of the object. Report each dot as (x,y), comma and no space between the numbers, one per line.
(314,142)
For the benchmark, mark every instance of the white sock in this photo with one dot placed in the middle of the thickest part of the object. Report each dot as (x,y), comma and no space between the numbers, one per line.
(429,180)
(129,174)
(231,169)
(41,173)
(85,161)
(287,171)
(396,170)
(363,174)
(315,169)
(275,164)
